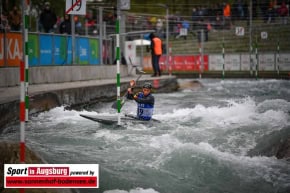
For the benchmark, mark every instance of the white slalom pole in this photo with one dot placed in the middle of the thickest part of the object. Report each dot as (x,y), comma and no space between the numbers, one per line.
(223,52)
(257,59)
(25,50)
(278,58)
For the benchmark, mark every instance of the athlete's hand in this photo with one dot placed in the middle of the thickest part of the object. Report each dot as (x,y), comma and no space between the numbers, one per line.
(135,96)
(132,83)
(130,90)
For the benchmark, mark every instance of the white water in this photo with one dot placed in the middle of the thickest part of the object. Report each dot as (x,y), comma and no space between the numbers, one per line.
(202,145)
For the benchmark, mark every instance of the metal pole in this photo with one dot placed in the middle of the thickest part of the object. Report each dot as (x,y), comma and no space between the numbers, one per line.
(250,36)
(141,56)
(101,34)
(167,38)
(73,38)
(106,42)
(118,60)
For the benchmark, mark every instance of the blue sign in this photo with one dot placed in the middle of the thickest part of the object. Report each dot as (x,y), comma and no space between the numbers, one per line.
(45,45)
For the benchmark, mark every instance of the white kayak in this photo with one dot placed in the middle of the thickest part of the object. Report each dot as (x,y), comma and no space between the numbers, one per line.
(113,119)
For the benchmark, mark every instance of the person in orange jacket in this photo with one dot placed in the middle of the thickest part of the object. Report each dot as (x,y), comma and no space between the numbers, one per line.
(227,14)
(156,52)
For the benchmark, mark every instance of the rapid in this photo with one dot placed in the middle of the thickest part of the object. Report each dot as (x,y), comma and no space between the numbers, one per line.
(212,139)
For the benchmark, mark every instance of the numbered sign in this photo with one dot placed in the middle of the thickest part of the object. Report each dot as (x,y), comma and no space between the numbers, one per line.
(240,31)
(125,4)
(76,7)
(264,35)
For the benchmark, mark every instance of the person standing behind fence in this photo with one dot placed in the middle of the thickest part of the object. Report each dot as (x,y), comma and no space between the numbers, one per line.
(65,25)
(156,52)
(227,15)
(14,19)
(283,12)
(48,18)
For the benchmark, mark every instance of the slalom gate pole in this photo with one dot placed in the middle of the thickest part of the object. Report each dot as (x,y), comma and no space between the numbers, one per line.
(278,58)
(257,58)
(118,62)
(223,52)
(24,98)
(25,50)
(24,74)
(170,60)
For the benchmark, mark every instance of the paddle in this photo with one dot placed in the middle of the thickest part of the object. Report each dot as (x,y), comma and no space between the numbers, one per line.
(124,98)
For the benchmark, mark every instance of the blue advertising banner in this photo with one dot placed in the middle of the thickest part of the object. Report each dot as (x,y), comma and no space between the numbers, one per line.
(69,51)
(45,45)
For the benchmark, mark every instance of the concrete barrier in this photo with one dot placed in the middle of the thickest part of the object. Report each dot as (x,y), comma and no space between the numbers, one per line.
(59,74)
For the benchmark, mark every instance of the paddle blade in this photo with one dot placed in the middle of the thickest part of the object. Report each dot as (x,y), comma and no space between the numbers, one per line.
(115,104)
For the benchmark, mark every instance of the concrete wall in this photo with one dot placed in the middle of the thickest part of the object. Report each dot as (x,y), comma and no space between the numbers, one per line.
(57,74)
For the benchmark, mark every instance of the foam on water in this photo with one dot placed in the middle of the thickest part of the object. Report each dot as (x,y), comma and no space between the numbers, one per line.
(199,133)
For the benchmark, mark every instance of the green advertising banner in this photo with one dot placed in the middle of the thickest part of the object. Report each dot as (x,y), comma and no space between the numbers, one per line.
(33,50)
(94,51)
(61,45)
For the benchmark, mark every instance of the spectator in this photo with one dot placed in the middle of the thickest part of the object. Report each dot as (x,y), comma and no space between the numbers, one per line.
(283,12)
(4,26)
(227,15)
(14,19)
(156,52)
(238,10)
(65,25)
(48,18)
(159,26)
(78,25)
(90,22)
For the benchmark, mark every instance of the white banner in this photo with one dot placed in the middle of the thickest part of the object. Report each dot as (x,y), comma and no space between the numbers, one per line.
(215,62)
(232,62)
(284,62)
(51,175)
(266,62)
(247,62)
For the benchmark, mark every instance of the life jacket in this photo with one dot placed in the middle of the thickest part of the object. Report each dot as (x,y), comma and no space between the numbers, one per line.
(157,46)
(144,111)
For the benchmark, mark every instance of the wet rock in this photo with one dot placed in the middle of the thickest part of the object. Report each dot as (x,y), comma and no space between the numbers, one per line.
(192,84)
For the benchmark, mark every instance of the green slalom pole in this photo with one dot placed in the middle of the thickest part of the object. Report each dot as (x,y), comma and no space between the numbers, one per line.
(278,58)
(118,63)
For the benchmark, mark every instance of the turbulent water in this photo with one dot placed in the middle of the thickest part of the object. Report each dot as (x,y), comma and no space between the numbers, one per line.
(208,142)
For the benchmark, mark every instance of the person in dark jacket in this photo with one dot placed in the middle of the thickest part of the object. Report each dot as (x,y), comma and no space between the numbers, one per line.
(145,101)
(65,26)
(47,18)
